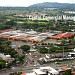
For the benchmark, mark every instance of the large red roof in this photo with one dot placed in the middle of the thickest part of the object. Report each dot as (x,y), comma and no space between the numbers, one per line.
(61,35)
(23,74)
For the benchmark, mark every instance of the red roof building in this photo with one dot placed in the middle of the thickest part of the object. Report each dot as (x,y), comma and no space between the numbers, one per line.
(73,72)
(66,67)
(23,74)
(63,35)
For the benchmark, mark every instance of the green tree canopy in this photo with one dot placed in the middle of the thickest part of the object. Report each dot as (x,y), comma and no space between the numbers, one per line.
(2,64)
(7,42)
(67,72)
(25,48)
(11,22)
(43,50)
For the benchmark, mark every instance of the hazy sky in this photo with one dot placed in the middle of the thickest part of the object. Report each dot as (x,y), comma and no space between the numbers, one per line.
(30,2)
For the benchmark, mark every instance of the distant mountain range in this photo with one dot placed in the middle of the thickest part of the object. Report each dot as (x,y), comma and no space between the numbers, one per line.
(70,6)
(53,5)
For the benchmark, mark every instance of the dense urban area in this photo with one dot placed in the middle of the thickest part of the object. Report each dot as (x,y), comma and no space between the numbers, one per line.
(37,40)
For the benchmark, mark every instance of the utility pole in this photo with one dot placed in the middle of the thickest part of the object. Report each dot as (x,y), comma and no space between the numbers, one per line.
(63,51)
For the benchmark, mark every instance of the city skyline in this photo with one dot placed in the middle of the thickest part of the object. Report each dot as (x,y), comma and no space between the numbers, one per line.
(26,3)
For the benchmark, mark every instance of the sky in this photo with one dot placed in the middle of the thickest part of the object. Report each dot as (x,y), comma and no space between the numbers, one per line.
(30,2)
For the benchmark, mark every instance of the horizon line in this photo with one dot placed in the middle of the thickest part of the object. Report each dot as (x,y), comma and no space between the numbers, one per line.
(33,4)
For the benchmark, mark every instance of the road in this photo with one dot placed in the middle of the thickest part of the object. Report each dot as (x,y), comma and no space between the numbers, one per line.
(16,44)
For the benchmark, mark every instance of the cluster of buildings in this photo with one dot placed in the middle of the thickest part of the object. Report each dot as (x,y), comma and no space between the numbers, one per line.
(29,36)
(7,58)
(33,36)
(47,70)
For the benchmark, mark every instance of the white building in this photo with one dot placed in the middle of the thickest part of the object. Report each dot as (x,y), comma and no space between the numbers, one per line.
(44,70)
(71,54)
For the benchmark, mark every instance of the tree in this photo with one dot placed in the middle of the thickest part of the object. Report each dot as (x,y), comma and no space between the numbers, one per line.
(7,42)
(52,49)
(11,22)
(43,50)
(67,72)
(1,49)
(21,57)
(40,29)
(2,64)
(11,74)
(63,42)
(16,73)
(25,48)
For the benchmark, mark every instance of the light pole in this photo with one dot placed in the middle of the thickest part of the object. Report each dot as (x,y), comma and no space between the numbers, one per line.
(6,64)
(63,51)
